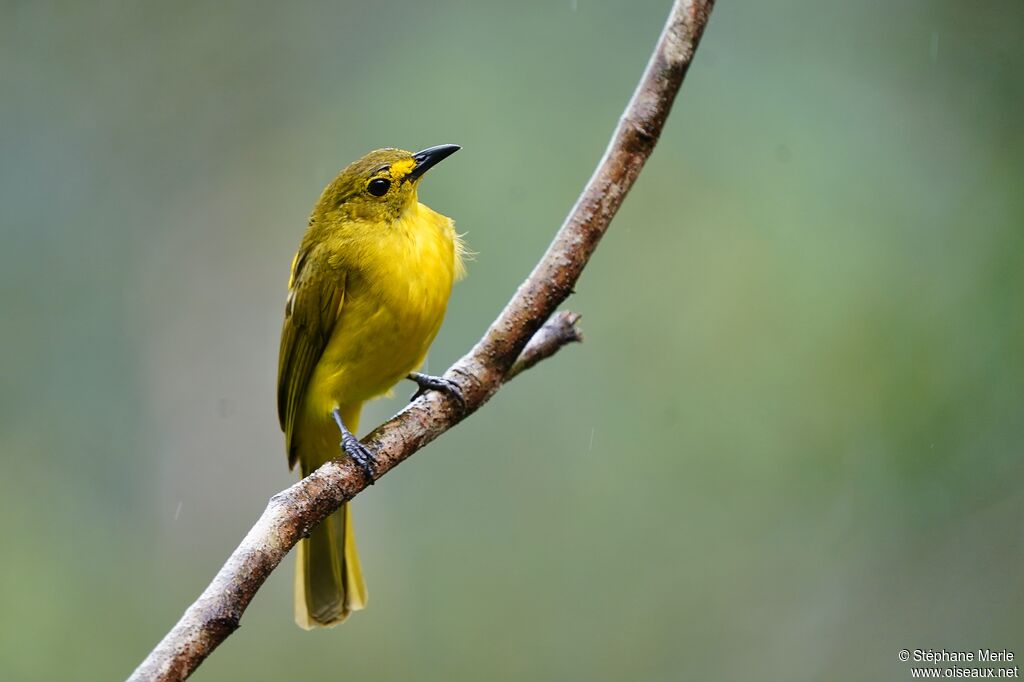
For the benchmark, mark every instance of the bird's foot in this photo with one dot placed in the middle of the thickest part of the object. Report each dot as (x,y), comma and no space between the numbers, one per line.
(360,454)
(428,382)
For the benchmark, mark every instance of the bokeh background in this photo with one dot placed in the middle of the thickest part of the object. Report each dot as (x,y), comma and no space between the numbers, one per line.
(790,446)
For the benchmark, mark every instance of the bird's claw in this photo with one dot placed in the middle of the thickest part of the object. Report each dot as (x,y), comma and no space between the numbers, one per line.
(428,382)
(360,454)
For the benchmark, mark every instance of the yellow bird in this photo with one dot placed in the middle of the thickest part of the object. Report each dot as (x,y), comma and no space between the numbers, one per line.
(368,290)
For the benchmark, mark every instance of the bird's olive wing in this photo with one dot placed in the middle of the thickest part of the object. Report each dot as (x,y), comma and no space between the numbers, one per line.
(315,297)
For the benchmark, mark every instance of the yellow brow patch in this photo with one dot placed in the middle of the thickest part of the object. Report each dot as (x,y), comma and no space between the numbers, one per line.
(399,169)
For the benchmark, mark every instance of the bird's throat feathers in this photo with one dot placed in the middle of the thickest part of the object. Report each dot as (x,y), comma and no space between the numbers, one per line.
(417,232)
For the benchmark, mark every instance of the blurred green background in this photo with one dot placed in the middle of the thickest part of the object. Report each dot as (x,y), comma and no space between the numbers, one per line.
(790,446)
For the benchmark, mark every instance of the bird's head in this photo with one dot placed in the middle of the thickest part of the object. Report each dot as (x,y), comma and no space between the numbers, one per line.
(382,184)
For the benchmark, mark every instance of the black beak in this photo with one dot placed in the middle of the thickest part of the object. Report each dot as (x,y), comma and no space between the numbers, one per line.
(430,157)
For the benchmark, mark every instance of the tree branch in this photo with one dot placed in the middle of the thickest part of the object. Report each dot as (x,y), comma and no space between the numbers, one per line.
(521,336)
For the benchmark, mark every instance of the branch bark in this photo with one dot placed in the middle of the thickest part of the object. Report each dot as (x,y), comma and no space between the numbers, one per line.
(521,336)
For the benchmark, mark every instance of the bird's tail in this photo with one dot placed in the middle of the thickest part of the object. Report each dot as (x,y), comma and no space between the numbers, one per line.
(328,580)
(328,583)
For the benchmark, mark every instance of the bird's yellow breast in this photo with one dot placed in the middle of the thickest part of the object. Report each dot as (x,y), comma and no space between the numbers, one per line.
(393,306)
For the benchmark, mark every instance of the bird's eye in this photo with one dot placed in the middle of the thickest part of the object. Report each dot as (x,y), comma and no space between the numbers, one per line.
(378,187)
